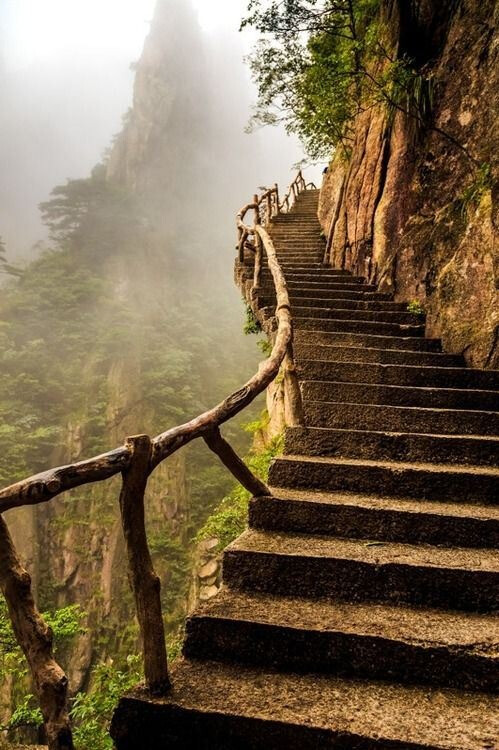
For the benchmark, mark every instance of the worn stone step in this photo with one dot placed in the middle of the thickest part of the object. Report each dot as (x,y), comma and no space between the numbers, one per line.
(220,706)
(304,277)
(377,356)
(401,395)
(446,377)
(339,304)
(299,247)
(353,283)
(365,340)
(295,218)
(349,304)
(286,234)
(348,416)
(375,517)
(392,446)
(431,481)
(360,570)
(312,266)
(363,317)
(356,293)
(340,313)
(406,644)
(357,326)
(284,256)
(285,237)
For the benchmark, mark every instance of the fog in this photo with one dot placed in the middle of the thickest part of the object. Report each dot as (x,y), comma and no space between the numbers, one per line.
(66,81)
(131,322)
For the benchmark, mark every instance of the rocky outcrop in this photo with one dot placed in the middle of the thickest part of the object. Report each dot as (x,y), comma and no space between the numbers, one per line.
(411,210)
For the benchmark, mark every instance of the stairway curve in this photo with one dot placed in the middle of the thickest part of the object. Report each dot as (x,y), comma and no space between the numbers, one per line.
(359,609)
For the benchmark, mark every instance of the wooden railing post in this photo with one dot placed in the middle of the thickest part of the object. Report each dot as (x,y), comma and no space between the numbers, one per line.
(258,219)
(143,580)
(231,460)
(258,247)
(269,208)
(293,404)
(35,639)
(276,192)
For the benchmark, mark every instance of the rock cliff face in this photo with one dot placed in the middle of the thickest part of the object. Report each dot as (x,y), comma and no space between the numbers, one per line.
(397,210)
(169,120)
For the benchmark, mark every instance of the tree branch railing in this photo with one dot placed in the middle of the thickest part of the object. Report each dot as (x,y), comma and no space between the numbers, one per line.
(135,461)
(267,206)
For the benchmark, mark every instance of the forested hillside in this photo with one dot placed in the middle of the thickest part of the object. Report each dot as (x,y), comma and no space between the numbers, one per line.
(127,322)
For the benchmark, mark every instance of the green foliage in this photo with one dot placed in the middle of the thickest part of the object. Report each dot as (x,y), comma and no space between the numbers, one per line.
(230,518)
(265,347)
(95,215)
(309,66)
(473,193)
(91,712)
(66,625)
(320,63)
(251,324)
(5,266)
(415,307)
(26,714)
(407,90)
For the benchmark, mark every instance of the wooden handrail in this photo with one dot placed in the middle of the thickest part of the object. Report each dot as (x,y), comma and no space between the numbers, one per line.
(135,461)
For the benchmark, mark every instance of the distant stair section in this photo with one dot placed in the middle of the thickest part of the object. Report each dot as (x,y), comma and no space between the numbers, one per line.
(359,610)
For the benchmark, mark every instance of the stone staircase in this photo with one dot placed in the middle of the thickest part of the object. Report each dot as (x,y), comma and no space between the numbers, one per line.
(359,611)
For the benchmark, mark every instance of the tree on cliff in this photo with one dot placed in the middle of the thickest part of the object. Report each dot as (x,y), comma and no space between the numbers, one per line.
(5,266)
(321,63)
(91,213)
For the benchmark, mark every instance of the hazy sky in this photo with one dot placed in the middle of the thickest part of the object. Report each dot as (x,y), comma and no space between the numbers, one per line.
(37,31)
(65,83)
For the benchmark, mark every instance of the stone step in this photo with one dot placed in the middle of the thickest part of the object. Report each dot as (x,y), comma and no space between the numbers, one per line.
(285,233)
(340,304)
(411,419)
(376,356)
(401,395)
(352,283)
(377,518)
(314,256)
(364,340)
(357,292)
(221,706)
(446,377)
(305,277)
(301,218)
(429,481)
(392,446)
(406,644)
(284,256)
(357,570)
(299,249)
(285,237)
(358,326)
(340,313)
(313,266)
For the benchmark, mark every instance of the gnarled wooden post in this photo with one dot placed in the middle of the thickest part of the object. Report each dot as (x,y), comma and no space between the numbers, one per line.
(143,580)
(258,247)
(35,638)
(231,460)
(293,402)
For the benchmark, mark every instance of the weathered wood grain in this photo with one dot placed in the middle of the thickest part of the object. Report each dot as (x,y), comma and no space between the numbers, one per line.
(144,582)
(35,639)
